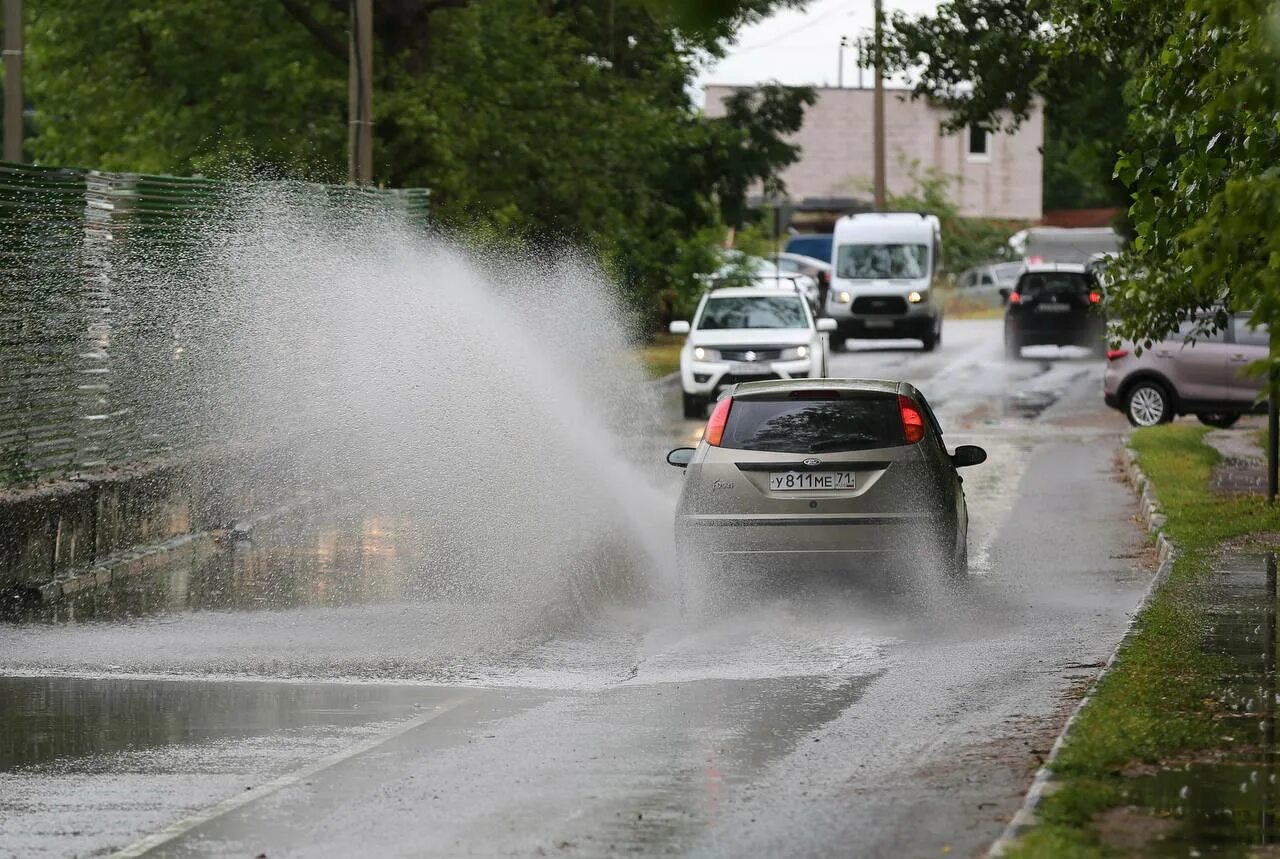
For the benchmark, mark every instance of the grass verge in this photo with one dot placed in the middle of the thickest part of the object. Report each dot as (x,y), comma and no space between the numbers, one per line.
(662,356)
(957,304)
(1158,704)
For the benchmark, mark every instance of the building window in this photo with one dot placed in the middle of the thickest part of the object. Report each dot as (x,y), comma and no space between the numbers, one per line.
(979,143)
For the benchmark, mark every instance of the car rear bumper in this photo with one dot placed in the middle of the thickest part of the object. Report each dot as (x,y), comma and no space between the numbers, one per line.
(817,542)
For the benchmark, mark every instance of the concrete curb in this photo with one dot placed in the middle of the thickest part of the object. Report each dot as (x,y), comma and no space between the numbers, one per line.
(1044,783)
(672,378)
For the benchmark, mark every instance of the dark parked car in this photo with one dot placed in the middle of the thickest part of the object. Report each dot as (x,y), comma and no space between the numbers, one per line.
(1057,304)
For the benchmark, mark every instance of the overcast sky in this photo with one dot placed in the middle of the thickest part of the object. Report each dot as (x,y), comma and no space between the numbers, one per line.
(801,46)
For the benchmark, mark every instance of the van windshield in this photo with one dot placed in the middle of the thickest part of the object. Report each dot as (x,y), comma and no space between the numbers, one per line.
(874,262)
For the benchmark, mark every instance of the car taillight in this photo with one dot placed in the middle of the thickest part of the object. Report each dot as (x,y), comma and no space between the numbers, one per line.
(1095,297)
(1116,354)
(719,417)
(912,420)
(1014,298)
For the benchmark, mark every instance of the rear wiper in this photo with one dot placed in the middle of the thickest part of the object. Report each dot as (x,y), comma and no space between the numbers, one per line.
(841,440)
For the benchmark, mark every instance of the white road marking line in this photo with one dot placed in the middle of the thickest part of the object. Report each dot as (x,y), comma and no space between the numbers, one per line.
(181,827)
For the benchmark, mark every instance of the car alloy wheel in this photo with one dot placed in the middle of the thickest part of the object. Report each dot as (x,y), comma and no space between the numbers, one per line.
(1148,406)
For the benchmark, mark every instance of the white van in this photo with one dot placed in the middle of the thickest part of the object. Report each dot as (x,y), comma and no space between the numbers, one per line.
(881,284)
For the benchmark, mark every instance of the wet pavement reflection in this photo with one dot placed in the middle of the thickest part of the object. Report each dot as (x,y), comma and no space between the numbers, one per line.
(1230,805)
(53,718)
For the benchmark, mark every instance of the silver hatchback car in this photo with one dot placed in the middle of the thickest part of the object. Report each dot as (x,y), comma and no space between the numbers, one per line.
(832,474)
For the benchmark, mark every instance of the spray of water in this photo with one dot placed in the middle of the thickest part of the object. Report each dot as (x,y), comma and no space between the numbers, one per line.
(488,403)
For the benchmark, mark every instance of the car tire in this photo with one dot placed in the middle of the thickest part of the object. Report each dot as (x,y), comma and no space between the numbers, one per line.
(1219,420)
(837,341)
(958,569)
(929,341)
(1147,403)
(695,407)
(1012,346)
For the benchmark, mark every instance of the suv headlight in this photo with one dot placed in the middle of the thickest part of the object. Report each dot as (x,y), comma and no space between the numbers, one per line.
(795,353)
(917,297)
(702,353)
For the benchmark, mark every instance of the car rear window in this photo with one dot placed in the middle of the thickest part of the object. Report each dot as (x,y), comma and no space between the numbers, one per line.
(814,426)
(1035,284)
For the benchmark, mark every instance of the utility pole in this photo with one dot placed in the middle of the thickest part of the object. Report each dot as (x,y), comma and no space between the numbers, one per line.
(844,43)
(878,108)
(13,80)
(359,94)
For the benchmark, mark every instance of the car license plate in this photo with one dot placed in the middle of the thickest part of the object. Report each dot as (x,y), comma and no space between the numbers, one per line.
(878,323)
(740,369)
(1053,307)
(802,481)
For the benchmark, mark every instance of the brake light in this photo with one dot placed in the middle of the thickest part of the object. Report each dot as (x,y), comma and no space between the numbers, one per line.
(912,420)
(1095,297)
(719,417)
(1015,298)
(1116,354)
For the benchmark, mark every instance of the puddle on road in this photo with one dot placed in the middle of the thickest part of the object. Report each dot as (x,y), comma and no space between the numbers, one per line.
(1232,806)
(46,719)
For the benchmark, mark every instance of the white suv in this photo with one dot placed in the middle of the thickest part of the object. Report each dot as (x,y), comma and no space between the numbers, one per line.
(748,334)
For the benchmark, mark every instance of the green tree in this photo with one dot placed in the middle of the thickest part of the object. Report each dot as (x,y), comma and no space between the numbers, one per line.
(558,122)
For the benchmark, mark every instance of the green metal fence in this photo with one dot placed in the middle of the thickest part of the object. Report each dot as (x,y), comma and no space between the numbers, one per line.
(81,251)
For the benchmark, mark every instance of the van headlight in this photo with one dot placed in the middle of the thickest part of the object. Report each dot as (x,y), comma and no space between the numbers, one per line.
(702,353)
(917,297)
(843,298)
(794,354)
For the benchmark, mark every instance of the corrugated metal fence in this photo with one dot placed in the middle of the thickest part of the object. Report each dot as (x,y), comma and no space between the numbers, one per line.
(77,250)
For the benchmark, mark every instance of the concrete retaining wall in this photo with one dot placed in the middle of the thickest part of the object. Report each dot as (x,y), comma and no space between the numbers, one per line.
(62,536)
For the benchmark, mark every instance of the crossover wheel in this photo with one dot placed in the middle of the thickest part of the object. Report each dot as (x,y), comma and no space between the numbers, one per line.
(1147,404)
(930,341)
(1012,346)
(695,407)
(837,342)
(1221,420)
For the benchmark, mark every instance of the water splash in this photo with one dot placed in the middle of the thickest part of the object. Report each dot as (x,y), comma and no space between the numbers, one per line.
(490,399)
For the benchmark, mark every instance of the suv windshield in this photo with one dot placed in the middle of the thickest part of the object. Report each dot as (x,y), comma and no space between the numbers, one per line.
(764,311)
(790,426)
(865,262)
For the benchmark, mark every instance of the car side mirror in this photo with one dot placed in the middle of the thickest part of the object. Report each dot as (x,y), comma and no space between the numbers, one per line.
(681,457)
(826,323)
(968,454)
(1005,292)
(679,326)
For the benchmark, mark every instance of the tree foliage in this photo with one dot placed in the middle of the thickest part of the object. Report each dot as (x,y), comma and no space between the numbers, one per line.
(557,122)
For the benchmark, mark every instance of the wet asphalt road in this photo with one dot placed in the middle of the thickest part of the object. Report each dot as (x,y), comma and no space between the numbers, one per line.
(846,721)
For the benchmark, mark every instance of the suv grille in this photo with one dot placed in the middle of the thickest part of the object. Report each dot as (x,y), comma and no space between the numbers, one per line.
(760,353)
(883,304)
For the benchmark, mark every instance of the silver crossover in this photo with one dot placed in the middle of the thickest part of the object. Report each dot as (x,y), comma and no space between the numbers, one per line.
(834,474)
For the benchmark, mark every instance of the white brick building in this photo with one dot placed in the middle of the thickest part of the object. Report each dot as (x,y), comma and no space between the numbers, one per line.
(997,175)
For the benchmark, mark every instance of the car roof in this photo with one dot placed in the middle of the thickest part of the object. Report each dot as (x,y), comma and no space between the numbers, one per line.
(1037,267)
(780,386)
(768,290)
